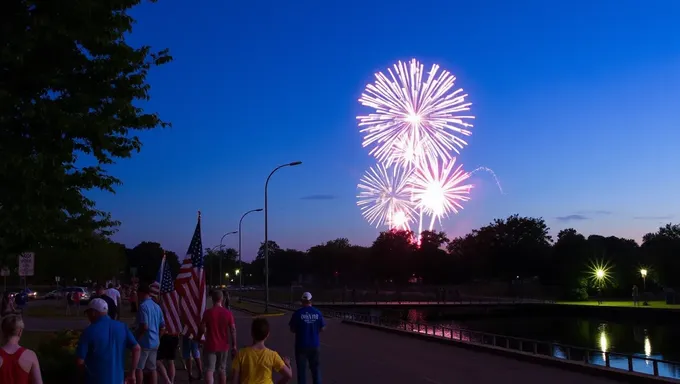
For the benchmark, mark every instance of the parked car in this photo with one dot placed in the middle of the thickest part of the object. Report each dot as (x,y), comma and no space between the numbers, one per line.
(52,295)
(61,293)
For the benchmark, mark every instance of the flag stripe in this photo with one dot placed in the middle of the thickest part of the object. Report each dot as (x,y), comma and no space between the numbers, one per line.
(169,299)
(190,284)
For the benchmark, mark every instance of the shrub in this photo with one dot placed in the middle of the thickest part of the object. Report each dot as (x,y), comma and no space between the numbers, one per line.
(57,356)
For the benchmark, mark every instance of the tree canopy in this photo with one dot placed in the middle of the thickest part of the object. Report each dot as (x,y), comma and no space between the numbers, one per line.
(70,93)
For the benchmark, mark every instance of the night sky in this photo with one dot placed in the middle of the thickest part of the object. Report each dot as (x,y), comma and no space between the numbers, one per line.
(576,105)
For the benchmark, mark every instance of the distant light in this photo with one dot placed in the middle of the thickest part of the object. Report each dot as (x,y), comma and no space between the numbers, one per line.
(600,273)
(643,272)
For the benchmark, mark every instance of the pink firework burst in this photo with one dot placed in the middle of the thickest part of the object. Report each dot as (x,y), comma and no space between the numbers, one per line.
(438,189)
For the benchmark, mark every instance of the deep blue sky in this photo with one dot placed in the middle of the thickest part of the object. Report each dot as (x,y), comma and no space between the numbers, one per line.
(576,104)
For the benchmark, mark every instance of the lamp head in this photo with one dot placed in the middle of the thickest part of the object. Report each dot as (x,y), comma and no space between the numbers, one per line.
(294,163)
(258,210)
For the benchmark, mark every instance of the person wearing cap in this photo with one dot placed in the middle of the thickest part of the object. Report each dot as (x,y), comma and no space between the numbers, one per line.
(306,323)
(101,348)
(150,327)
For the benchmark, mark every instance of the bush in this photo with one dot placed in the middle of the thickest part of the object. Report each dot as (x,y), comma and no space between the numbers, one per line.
(57,356)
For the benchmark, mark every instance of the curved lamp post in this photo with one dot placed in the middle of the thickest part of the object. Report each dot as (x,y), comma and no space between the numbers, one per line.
(223,236)
(240,266)
(266,235)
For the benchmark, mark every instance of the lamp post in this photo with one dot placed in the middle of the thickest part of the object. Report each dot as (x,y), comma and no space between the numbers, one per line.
(223,236)
(643,273)
(240,265)
(266,235)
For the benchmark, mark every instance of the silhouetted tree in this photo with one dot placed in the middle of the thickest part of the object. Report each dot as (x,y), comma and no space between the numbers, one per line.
(392,254)
(147,256)
(66,118)
(661,254)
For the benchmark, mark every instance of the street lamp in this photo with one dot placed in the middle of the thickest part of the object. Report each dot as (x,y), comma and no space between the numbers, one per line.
(223,236)
(266,235)
(643,273)
(240,265)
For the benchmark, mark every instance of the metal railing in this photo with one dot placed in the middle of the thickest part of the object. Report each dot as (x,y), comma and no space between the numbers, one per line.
(457,301)
(627,362)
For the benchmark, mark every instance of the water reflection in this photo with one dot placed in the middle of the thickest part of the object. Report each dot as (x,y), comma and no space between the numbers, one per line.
(648,346)
(604,339)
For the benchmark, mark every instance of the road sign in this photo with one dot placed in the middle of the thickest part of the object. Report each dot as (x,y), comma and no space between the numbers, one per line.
(26,264)
(4,272)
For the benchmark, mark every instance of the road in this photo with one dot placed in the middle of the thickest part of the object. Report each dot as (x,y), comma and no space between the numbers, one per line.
(351,354)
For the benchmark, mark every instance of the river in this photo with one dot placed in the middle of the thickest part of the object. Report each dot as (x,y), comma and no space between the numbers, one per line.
(650,339)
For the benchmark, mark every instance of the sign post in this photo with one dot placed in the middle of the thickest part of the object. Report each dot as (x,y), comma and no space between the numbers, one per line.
(4,272)
(26,264)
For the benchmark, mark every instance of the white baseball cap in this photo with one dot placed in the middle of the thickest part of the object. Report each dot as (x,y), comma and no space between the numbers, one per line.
(98,305)
(306,296)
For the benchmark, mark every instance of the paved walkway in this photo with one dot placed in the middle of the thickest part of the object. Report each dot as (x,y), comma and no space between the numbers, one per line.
(351,354)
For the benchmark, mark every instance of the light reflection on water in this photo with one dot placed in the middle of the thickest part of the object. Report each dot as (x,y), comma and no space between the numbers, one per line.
(630,339)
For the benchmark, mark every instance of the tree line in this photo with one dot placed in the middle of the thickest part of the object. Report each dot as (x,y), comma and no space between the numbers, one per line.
(515,250)
(512,250)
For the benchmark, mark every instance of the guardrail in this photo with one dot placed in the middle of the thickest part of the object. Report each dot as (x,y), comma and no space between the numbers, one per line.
(587,356)
(460,301)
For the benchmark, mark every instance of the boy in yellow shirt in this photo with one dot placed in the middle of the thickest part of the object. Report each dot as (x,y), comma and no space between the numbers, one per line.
(255,364)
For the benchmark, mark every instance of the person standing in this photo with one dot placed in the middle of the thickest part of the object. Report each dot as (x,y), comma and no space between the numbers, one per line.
(256,363)
(150,327)
(101,348)
(167,353)
(190,354)
(114,294)
(18,365)
(133,298)
(217,325)
(306,323)
(113,309)
(636,296)
(7,306)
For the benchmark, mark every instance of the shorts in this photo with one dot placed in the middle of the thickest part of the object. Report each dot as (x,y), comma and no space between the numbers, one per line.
(190,348)
(167,350)
(147,359)
(216,360)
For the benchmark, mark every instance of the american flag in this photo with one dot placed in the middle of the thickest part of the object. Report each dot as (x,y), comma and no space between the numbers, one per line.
(169,299)
(155,287)
(190,284)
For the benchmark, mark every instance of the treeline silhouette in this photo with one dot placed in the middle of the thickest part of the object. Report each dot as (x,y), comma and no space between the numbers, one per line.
(516,250)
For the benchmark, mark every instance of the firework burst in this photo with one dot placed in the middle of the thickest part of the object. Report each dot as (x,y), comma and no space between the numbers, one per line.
(426,108)
(385,197)
(415,131)
(438,189)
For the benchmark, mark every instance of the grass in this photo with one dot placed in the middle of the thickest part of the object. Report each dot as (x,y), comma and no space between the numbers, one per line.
(57,309)
(623,304)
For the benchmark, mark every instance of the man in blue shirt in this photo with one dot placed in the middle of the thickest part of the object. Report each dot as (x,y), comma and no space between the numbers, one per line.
(307,322)
(150,327)
(101,348)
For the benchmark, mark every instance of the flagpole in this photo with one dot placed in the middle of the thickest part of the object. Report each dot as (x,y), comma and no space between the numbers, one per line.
(161,272)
